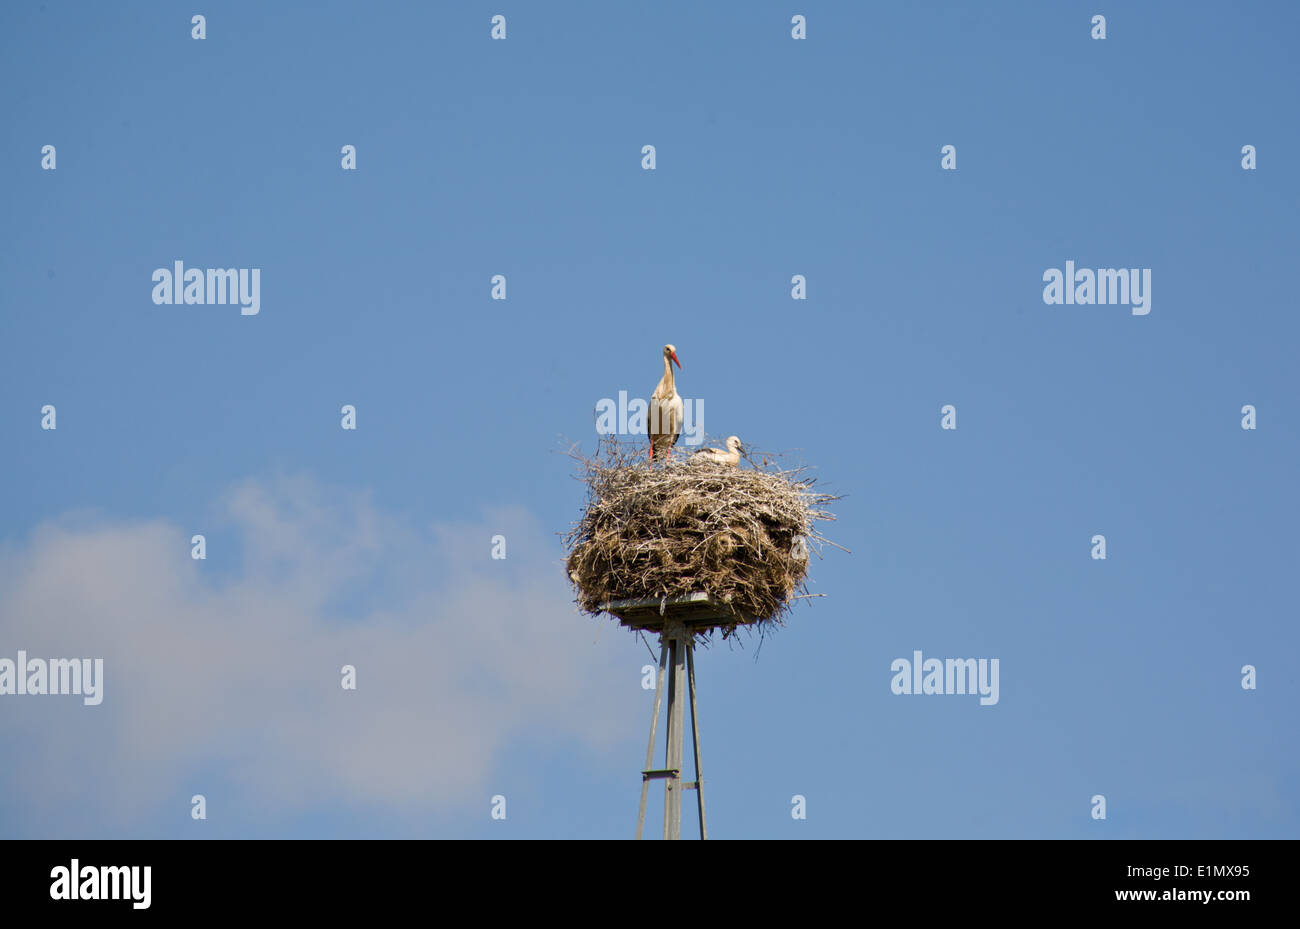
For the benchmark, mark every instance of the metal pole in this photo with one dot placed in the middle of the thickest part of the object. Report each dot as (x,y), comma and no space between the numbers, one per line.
(695,735)
(675,633)
(654,728)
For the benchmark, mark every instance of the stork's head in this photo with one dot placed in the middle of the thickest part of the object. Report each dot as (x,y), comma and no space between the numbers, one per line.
(671,352)
(733,444)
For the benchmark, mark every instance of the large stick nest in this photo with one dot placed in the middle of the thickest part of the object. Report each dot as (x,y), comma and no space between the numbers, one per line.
(741,535)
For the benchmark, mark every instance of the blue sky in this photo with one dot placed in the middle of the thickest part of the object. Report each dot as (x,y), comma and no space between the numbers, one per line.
(522,157)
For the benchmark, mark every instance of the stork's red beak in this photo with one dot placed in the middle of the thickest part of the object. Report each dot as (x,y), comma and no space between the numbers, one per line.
(676,362)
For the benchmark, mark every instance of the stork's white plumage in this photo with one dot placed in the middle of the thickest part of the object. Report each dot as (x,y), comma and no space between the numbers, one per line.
(730,458)
(664,417)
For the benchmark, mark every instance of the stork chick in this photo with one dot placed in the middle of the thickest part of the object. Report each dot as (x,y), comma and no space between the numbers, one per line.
(730,458)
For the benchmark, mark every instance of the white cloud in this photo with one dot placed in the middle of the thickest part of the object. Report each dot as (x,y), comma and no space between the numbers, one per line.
(456,655)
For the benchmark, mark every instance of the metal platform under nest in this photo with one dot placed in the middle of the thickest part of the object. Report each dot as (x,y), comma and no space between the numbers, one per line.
(697,612)
(677,620)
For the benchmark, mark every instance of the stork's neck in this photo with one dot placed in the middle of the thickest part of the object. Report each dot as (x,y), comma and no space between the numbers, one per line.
(668,375)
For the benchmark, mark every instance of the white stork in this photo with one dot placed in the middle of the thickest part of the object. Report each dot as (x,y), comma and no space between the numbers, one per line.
(729,458)
(664,418)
